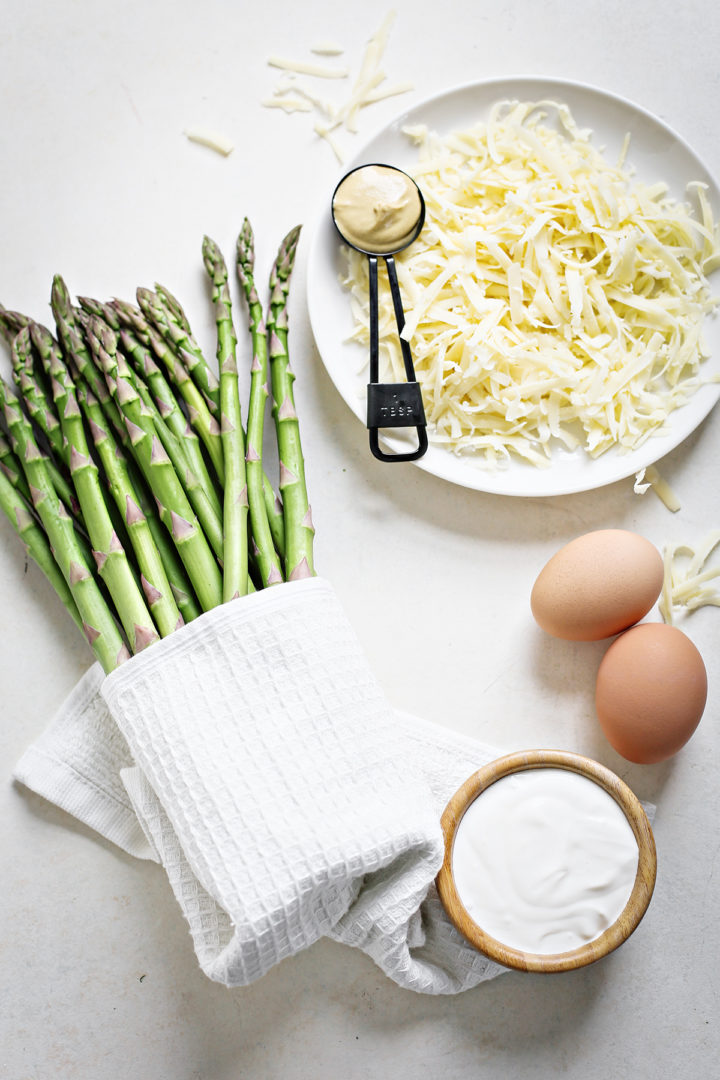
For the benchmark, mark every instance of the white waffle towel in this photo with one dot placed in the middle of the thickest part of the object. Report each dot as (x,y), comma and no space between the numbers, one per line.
(254,755)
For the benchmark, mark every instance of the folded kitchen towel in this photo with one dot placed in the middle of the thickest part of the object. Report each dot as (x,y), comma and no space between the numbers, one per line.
(254,755)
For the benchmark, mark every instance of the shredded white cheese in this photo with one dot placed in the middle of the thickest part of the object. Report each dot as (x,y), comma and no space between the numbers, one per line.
(289,103)
(327,48)
(370,75)
(687,577)
(650,478)
(331,141)
(551,299)
(383,92)
(214,139)
(304,67)
(289,87)
(367,88)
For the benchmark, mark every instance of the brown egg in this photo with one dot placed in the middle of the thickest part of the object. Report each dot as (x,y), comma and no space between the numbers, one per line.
(650,693)
(597,585)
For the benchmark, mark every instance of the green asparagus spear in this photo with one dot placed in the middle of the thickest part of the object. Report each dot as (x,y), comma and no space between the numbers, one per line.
(145,367)
(235,503)
(99,625)
(110,553)
(174,306)
(266,555)
(175,511)
(97,309)
(58,465)
(78,354)
(32,388)
(12,470)
(181,587)
(299,530)
(154,580)
(177,437)
(11,323)
(202,420)
(134,322)
(169,320)
(175,448)
(36,545)
(276,519)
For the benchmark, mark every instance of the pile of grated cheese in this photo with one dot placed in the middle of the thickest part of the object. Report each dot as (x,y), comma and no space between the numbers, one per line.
(552,298)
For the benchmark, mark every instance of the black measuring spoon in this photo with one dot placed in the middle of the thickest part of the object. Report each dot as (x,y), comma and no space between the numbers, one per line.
(389,405)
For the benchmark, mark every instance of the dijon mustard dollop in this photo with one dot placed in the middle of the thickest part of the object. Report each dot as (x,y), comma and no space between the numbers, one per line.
(377,208)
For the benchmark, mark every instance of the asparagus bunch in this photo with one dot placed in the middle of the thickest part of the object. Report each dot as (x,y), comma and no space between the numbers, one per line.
(125,468)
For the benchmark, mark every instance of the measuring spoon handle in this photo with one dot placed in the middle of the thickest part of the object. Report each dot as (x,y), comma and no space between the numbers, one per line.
(399,317)
(392,404)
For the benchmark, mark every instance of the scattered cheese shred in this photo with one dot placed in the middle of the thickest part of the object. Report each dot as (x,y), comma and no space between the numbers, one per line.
(304,67)
(552,298)
(331,141)
(686,578)
(367,88)
(289,86)
(288,102)
(370,74)
(650,478)
(327,48)
(214,139)
(383,92)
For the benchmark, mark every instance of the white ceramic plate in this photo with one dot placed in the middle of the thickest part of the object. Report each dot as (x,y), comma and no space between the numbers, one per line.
(656,153)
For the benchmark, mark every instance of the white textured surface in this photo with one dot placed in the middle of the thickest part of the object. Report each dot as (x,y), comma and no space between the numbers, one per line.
(99,975)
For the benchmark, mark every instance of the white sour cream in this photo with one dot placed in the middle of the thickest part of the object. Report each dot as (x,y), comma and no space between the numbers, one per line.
(544,860)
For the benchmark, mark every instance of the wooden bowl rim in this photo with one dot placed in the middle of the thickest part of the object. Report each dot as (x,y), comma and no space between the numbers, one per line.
(642,890)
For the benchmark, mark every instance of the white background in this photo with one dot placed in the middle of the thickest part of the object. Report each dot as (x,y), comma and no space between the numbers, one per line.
(99,979)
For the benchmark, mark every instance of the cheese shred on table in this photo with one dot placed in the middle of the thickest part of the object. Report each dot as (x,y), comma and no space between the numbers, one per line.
(688,582)
(552,297)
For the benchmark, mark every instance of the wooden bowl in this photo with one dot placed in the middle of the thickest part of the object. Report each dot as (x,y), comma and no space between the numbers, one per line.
(642,890)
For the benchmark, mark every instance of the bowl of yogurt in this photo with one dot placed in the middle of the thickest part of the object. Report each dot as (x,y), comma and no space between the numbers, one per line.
(550,861)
